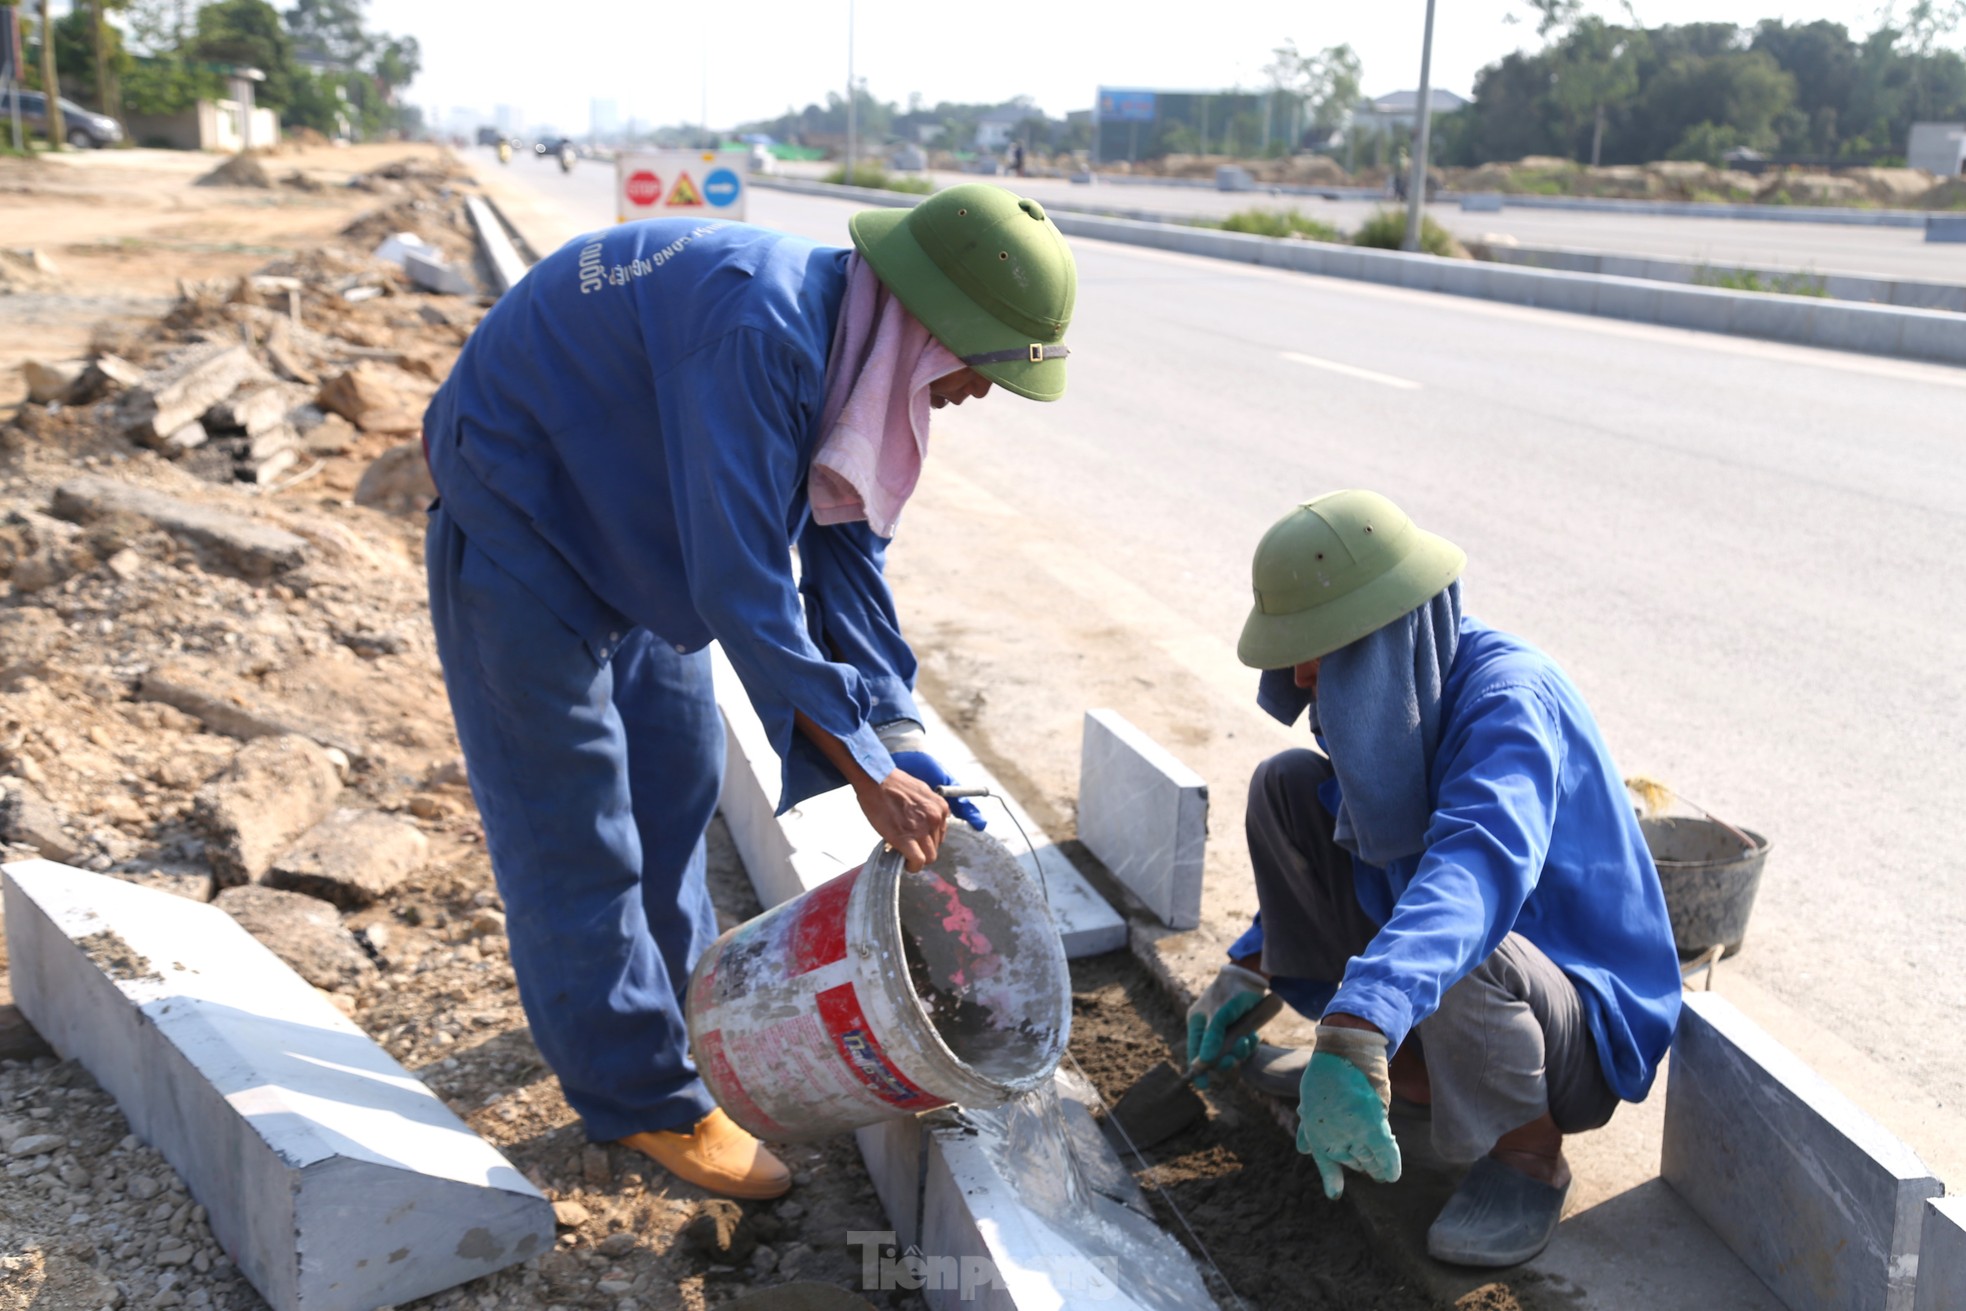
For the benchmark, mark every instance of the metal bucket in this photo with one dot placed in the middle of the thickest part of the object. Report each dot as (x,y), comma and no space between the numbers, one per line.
(882,994)
(1709,880)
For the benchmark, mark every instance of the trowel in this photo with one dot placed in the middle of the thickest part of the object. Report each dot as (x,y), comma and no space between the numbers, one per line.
(1163,1101)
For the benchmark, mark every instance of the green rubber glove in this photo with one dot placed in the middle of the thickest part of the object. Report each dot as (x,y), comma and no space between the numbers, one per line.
(1233,994)
(1341,1108)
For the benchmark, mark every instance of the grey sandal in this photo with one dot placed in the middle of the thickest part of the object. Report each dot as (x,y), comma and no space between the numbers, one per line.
(1497,1217)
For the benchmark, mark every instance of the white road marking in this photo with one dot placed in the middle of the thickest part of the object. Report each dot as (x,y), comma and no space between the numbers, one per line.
(1352,371)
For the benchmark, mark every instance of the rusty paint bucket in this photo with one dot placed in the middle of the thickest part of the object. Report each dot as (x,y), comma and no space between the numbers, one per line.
(881,994)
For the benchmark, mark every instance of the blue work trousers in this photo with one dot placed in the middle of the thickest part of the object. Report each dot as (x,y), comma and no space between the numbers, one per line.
(596,777)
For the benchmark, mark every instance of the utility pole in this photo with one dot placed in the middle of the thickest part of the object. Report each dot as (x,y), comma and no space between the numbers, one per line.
(49,85)
(1416,187)
(846,176)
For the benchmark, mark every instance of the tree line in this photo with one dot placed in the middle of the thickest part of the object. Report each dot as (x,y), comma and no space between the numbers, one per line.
(324,68)
(1620,93)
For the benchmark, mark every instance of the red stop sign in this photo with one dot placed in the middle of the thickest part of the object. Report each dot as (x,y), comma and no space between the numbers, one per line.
(644,188)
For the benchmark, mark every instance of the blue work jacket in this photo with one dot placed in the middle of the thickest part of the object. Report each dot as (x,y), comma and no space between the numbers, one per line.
(628,432)
(1531,833)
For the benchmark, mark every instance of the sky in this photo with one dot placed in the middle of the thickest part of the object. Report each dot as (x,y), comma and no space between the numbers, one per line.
(752,59)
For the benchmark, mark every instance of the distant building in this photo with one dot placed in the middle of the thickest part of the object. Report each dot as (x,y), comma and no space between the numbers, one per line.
(509,119)
(603,118)
(1401,109)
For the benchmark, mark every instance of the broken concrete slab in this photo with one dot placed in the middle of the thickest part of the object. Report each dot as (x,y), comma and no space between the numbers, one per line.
(377,397)
(1145,815)
(29,819)
(333,1177)
(188,438)
(1812,1194)
(1942,1256)
(303,931)
(256,409)
(397,481)
(433,274)
(818,839)
(51,380)
(105,374)
(247,546)
(276,789)
(173,396)
(351,858)
(221,703)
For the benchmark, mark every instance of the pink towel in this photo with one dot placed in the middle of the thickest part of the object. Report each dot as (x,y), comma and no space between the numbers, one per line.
(874,427)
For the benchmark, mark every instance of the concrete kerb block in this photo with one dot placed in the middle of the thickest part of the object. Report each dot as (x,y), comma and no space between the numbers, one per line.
(1145,815)
(1869,329)
(1701,308)
(1933,335)
(1942,1257)
(827,835)
(1777,317)
(507,265)
(333,1177)
(1629,298)
(1813,1195)
(1945,227)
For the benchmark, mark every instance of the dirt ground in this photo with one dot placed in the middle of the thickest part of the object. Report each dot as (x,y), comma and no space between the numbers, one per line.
(122,227)
(340,648)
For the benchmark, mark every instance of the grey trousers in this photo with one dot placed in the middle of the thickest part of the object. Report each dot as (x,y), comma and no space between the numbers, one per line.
(1510,1040)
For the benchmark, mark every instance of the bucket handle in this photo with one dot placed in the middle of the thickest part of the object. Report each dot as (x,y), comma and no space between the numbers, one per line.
(1649,788)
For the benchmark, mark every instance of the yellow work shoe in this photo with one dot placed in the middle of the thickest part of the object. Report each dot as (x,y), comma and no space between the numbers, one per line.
(716,1155)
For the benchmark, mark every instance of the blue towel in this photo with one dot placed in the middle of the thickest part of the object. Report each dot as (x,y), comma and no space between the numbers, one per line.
(1378,711)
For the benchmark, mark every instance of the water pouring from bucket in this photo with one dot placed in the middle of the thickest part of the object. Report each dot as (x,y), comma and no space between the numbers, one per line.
(881,994)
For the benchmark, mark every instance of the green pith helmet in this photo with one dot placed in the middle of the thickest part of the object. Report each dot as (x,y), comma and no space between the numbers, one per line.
(1334,569)
(987,273)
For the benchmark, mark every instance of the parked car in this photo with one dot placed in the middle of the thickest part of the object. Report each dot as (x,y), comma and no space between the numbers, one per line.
(81,128)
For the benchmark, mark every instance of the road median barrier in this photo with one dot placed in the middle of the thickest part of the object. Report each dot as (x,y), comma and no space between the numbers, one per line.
(1889,330)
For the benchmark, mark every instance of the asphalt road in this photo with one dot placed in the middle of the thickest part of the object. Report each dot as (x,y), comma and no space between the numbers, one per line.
(1816,247)
(1747,555)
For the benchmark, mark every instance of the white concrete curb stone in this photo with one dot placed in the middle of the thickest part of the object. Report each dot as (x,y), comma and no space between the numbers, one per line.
(507,265)
(1812,1194)
(1942,1257)
(1145,815)
(333,1178)
(820,839)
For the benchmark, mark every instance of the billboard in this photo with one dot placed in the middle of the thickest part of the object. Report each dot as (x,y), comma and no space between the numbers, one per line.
(1121,106)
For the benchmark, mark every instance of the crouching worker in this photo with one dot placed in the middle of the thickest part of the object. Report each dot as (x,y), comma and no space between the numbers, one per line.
(629,446)
(1456,886)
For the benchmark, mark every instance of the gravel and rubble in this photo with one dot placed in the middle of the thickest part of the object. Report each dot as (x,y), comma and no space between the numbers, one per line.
(214,682)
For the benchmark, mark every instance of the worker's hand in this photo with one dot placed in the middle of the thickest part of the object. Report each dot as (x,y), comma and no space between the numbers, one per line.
(1232,995)
(1341,1108)
(926,768)
(907,813)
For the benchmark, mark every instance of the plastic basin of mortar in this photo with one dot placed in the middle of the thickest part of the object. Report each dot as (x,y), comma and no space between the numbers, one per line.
(1709,881)
(883,994)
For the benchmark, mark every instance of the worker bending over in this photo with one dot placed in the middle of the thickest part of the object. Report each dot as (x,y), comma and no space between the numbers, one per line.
(1456,886)
(630,444)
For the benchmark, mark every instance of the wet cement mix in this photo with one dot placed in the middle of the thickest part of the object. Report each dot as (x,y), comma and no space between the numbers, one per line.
(1254,1204)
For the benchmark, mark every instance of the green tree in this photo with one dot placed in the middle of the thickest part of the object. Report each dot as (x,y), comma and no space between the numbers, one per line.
(330,32)
(248,34)
(1594,68)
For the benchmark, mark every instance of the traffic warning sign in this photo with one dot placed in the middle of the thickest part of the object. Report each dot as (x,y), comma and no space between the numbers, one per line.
(678,183)
(684,194)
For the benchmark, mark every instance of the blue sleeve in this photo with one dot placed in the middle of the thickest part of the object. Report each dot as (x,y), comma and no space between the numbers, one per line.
(1490,831)
(732,417)
(851,619)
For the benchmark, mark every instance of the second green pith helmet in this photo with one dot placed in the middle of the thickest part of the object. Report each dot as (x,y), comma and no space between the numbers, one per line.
(987,273)
(1334,569)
